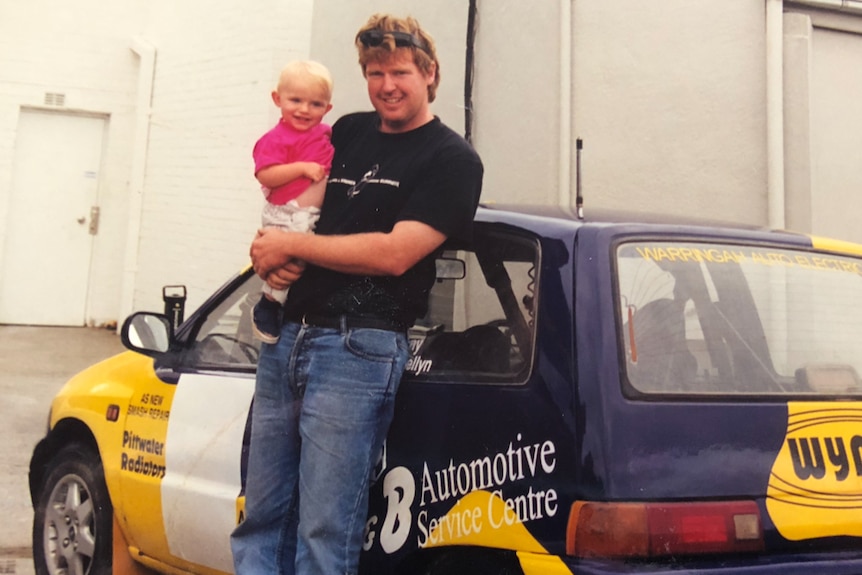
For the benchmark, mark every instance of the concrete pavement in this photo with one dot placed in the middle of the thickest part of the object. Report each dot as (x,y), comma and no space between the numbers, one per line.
(34,363)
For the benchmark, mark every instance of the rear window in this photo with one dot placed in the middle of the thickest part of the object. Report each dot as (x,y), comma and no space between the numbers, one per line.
(722,319)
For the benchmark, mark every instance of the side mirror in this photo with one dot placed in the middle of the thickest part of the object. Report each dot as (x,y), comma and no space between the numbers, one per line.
(147,333)
(450,269)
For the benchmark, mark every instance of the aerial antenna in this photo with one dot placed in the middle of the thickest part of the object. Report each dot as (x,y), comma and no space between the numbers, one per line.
(469,70)
(579,198)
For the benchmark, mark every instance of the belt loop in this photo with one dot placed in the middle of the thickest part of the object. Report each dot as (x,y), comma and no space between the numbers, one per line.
(342,319)
(303,322)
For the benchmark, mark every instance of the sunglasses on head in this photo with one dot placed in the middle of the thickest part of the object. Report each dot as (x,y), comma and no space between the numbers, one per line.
(373,38)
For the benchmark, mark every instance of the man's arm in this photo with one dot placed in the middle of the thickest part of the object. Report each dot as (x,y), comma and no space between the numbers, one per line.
(381,254)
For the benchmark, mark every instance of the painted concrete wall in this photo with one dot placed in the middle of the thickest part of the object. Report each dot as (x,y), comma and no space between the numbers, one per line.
(334,28)
(517,100)
(668,100)
(836,133)
(822,118)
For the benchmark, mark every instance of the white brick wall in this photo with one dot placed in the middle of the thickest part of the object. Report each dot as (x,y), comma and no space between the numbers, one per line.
(91,64)
(211,101)
(216,62)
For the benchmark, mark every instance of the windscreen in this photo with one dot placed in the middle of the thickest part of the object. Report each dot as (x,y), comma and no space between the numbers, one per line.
(723,319)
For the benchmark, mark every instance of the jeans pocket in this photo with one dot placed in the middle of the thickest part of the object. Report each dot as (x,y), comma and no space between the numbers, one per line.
(374,344)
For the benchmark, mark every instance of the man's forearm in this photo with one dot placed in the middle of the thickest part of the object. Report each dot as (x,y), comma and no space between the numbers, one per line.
(388,254)
(357,254)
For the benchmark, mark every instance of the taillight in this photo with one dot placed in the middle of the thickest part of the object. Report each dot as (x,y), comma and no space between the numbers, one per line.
(663,529)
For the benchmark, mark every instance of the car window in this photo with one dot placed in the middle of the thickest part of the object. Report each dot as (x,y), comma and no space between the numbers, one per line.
(701,318)
(224,339)
(480,327)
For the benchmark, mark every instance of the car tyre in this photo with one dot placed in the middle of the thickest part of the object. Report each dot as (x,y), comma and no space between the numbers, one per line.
(73,520)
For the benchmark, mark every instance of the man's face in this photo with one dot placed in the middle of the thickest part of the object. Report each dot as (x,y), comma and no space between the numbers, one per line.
(399,92)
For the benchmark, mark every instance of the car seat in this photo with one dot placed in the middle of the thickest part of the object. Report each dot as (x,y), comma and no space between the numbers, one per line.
(481,348)
(659,358)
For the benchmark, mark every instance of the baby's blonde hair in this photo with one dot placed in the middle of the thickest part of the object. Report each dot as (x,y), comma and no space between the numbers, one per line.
(306,71)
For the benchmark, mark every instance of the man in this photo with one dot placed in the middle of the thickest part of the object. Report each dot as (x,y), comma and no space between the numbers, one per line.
(401,183)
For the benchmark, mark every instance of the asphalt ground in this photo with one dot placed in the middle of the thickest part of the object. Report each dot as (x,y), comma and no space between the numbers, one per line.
(35,362)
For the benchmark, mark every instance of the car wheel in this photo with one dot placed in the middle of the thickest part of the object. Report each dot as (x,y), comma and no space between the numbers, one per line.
(73,521)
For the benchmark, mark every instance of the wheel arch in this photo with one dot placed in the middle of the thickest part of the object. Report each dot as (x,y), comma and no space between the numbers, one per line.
(65,432)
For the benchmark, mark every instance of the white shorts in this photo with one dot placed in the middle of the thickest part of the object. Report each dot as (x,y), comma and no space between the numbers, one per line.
(290,217)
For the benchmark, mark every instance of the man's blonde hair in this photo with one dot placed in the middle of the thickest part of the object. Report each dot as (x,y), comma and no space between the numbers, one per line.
(424,58)
(306,71)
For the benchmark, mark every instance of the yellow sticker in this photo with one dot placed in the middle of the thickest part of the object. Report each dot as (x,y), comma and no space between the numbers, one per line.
(815,488)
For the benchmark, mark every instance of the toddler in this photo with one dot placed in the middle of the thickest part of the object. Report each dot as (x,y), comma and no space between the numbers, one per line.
(291,162)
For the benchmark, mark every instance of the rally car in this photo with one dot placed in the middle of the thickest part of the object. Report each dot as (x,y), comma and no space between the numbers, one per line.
(585,396)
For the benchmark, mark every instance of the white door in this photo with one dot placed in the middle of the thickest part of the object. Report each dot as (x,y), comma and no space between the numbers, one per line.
(48,237)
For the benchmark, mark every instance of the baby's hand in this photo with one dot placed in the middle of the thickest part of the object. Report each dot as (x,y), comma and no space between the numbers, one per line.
(314,172)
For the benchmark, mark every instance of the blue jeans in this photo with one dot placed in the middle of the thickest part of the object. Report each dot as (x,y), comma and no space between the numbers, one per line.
(323,402)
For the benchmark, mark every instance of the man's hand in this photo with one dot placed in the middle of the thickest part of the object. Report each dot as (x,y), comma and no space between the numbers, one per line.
(270,261)
(267,251)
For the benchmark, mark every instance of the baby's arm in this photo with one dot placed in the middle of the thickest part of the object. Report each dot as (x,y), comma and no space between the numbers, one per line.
(281,174)
(312,196)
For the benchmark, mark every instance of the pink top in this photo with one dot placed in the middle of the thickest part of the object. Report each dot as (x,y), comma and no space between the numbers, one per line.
(284,145)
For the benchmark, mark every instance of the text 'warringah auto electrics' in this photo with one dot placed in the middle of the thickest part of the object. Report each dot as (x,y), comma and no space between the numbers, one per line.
(714,255)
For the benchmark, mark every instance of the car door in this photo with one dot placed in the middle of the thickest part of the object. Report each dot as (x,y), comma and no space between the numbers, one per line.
(208,419)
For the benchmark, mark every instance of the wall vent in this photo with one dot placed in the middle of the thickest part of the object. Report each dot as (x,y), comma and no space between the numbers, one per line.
(55,99)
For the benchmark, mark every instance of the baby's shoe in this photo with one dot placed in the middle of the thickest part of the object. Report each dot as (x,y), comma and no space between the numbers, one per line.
(267,320)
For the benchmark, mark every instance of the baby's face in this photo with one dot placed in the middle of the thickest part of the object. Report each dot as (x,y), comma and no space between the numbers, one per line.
(302,105)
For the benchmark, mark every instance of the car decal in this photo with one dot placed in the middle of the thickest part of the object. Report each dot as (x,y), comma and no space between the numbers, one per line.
(487,499)
(143,446)
(135,457)
(483,518)
(815,488)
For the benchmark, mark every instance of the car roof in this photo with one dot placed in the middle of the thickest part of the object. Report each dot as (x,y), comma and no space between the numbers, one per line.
(612,216)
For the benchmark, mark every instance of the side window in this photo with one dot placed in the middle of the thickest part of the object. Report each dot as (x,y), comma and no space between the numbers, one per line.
(479,325)
(225,339)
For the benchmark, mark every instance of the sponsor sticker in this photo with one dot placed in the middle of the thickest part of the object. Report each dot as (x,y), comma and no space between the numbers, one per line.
(815,488)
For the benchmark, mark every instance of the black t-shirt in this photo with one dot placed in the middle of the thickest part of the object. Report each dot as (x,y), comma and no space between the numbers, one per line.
(430,174)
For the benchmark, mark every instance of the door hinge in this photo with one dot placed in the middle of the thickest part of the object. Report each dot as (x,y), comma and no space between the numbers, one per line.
(94,220)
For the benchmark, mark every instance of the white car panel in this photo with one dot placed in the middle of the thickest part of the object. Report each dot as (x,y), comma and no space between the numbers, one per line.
(203,450)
